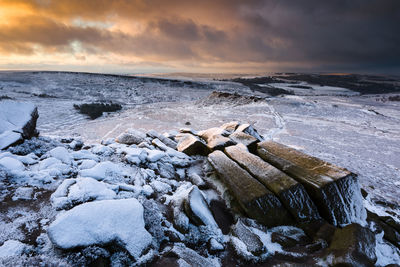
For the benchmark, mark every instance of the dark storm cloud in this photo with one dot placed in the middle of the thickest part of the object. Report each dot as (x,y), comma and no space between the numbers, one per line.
(336,34)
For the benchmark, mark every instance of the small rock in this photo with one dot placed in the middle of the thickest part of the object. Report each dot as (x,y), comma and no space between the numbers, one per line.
(250,239)
(131,136)
(197,209)
(230,126)
(23,193)
(353,245)
(192,145)
(214,245)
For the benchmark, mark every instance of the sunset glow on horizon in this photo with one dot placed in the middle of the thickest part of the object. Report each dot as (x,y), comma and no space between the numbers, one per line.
(199,36)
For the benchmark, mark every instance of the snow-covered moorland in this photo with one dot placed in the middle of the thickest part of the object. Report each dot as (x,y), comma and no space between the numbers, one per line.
(117,191)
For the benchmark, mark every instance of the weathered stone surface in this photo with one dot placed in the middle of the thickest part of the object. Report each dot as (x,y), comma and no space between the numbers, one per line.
(353,245)
(230,126)
(255,199)
(247,128)
(334,190)
(167,141)
(243,138)
(216,138)
(291,193)
(189,257)
(131,136)
(250,239)
(192,145)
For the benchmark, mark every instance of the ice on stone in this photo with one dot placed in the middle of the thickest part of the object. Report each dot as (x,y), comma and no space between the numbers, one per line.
(101,223)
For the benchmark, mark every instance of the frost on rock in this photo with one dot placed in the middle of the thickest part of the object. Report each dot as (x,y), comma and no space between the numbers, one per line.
(23,193)
(12,248)
(101,223)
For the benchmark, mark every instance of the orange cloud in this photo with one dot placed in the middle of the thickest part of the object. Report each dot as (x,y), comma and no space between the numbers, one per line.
(199,35)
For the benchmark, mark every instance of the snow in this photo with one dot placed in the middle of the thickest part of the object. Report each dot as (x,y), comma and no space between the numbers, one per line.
(80,190)
(62,154)
(12,164)
(87,164)
(265,238)
(103,170)
(386,253)
(13,248)
(102,222)
(84,154)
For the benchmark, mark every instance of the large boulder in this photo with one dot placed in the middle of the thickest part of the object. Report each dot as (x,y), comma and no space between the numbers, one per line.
(291,193)
(353,245)
(17,122)
(335,190)
(254,198)
(101,223)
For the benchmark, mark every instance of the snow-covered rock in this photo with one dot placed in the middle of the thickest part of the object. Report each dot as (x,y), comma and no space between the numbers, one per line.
(17,121)
(155,155)
(131,136)
(103,170)
(13,248)
(197,209)
(80,191)
(100,223)
(62,154)
(23,193)
(11,164)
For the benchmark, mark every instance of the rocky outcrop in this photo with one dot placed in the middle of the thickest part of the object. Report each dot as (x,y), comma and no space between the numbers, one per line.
(291,193)
(17,122)
(254,198)
(335,190)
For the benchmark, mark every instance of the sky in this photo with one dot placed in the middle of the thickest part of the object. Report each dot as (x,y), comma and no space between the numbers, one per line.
(207,36)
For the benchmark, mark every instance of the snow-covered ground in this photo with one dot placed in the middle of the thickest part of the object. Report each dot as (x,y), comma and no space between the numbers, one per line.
(354,131)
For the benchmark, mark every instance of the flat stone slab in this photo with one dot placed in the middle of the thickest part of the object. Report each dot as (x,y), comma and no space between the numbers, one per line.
(255,199)
(247,128)
(243,138)
(192,145)
(335,190)
(291,193)
(216,138)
